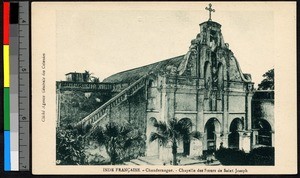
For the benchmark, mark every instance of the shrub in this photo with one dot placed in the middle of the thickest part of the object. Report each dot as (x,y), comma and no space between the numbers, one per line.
(261,156)
(69,147)
(258,156)
(228,156)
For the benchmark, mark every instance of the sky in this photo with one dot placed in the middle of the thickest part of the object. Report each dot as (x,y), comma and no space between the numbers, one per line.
(105,41)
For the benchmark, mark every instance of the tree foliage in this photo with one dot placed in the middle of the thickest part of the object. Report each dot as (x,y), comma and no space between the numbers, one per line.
(262,156)
(69,147)
(173,131)
(118,141)
(228,156)
(268,82)
(257,156)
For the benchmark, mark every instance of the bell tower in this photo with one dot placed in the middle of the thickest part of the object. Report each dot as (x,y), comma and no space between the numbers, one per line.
(210,32)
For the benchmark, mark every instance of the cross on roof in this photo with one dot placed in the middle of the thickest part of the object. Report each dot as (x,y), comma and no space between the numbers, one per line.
(210,10)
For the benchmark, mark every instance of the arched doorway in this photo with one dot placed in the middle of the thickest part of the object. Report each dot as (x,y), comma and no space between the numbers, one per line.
(212,127)
(264,136)
(187,122)
(234,136)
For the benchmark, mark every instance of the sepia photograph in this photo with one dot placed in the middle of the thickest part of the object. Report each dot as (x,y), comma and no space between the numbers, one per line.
(160,85)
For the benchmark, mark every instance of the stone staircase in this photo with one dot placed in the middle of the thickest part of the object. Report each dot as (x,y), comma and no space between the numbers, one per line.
(96,116)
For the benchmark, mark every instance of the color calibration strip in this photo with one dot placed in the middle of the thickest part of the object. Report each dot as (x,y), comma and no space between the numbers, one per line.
(16,85)
(6,67)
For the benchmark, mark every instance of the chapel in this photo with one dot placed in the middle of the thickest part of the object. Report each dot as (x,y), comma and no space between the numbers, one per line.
(206,86)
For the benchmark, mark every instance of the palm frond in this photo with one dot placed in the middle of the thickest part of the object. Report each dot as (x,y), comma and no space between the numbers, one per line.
(156,136)
(161,126)
(112,130)
(185,123)
(172,123)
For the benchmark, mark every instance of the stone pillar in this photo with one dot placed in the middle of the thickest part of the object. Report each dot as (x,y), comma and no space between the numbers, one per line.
(225,139)
(165,153)
(170,96)
(163,100)
(240,140)
(167,110)
(273,138)
(152,148)
(225,119)
(248,111)
(246,137)
(254,137)
(196,147)
(168,102)
(204,141)
(160,152)
(200,117)
(219,139)
(200,111)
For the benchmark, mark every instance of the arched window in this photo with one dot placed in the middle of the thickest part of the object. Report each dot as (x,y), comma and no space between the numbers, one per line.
(234,136)
(264,136)
(211,127)
(220,76)
(207,74)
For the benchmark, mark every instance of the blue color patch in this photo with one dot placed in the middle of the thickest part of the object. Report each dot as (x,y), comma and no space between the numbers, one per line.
(7,151)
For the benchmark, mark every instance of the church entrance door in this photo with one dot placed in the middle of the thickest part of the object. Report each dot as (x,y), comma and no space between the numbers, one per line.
(212,127)
(186,138)
(234,136)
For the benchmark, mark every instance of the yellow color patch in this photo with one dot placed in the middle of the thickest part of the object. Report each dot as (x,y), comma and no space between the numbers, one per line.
(6,65)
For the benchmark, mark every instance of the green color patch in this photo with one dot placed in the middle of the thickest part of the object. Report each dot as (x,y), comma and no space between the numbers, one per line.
(6,110)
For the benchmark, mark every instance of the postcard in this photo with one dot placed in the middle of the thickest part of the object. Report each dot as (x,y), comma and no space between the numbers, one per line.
(164,88)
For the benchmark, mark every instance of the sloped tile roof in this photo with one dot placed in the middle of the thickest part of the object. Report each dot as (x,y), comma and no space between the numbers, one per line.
(132,75)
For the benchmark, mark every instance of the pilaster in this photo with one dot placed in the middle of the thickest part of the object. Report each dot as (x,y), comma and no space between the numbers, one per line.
(273,138)
(246,141)
(200,111)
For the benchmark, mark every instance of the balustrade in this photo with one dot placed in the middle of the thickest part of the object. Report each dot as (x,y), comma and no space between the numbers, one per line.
(116,100)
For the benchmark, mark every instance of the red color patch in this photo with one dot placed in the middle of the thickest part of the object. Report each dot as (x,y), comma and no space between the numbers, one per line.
(6,23)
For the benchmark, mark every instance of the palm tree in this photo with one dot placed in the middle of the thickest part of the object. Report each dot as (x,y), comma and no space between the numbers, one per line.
(87,76)
(173,131)
(116,139)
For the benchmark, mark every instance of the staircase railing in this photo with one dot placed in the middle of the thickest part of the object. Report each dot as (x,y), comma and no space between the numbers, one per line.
(116,100)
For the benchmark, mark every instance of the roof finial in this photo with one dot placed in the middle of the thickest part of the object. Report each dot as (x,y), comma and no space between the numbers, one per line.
(210,10)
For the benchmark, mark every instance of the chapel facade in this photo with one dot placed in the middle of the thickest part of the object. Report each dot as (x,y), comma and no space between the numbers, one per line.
(205,85)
